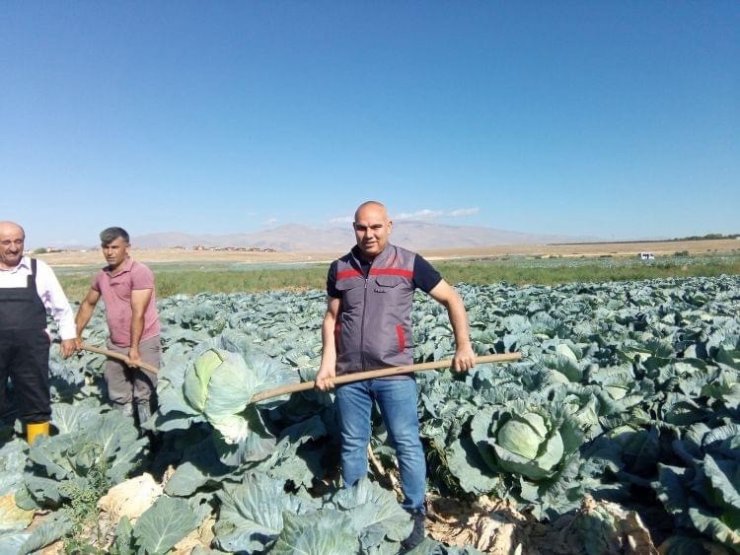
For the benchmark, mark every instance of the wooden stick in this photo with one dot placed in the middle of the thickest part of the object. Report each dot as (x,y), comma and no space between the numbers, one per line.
(383,372)
(119,356)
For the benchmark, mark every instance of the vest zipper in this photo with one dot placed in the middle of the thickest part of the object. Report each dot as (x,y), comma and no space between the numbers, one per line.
(362,327)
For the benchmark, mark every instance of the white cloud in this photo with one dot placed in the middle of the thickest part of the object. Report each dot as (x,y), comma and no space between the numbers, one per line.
(427,214)
(424,214)
(342,220)
(271,221)
(462,212)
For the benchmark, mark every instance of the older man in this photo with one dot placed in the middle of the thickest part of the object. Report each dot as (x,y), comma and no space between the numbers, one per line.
(28,290)
(367,325)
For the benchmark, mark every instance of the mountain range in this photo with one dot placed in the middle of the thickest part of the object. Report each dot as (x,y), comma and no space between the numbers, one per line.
(415,235)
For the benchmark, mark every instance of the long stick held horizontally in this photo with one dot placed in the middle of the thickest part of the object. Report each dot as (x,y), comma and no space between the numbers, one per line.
(383,372)
(119,356)
(346,378)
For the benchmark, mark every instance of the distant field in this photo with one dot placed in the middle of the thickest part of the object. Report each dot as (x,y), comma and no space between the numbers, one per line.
(193,272)
(660,248)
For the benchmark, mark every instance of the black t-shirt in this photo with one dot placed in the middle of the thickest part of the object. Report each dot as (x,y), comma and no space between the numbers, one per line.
(425,277)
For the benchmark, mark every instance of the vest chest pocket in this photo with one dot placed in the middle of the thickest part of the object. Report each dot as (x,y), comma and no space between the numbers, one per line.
(387,284)
(352,290)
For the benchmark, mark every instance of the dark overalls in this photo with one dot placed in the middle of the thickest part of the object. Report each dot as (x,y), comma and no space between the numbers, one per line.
(24,351)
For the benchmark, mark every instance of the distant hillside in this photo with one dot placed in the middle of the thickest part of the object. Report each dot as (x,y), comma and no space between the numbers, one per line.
(299,238)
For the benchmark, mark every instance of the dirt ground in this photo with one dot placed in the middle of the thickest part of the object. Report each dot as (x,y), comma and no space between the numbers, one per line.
(84,258)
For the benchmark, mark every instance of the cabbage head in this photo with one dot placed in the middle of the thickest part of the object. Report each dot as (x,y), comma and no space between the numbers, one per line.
(530,441)
(215,382)
(219,386)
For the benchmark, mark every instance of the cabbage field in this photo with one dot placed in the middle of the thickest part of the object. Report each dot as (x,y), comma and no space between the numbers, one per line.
(617,432)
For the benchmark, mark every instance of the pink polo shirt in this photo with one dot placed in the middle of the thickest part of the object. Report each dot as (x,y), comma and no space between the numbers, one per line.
(116,292)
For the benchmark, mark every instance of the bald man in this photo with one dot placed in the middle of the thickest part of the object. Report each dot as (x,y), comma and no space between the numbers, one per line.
(28,291)
(367,325)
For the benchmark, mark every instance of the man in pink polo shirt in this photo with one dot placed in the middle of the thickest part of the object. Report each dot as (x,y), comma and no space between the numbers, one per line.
(127,289)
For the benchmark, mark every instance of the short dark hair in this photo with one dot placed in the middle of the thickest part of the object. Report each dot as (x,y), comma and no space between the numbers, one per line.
(110,234)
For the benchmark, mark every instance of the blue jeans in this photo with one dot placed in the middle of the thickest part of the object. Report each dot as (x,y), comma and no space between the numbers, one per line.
(396,399)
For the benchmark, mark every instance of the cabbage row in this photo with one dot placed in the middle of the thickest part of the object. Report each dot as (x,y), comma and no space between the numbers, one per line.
(628,393)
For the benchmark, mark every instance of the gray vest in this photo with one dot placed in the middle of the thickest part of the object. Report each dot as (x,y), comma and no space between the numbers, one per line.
(374,325)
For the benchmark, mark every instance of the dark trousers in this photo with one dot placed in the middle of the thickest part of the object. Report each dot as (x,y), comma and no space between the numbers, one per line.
(24,359)
(133,385)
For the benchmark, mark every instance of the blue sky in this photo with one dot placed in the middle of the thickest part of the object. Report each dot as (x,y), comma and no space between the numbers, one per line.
(612,119)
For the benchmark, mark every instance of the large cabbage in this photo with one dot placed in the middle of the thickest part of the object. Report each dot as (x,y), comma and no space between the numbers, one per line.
(521,450)
(531,441)
(217,386)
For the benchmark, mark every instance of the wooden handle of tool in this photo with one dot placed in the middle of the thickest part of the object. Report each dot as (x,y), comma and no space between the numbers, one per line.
(118,356)
(383,372)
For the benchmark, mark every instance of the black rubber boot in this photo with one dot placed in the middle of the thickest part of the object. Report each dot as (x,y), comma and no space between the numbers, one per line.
(417,532)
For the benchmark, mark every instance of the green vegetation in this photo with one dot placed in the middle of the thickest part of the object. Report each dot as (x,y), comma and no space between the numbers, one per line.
(623,411)
(83,511)
(556,271)
(191,279)
(708,236)
(236,281)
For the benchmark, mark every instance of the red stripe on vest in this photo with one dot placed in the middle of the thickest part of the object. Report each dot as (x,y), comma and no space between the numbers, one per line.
(348,274)
(401,337)
(392,272)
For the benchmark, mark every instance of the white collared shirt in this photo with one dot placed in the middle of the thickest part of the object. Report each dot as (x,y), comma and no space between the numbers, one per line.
(49,290)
